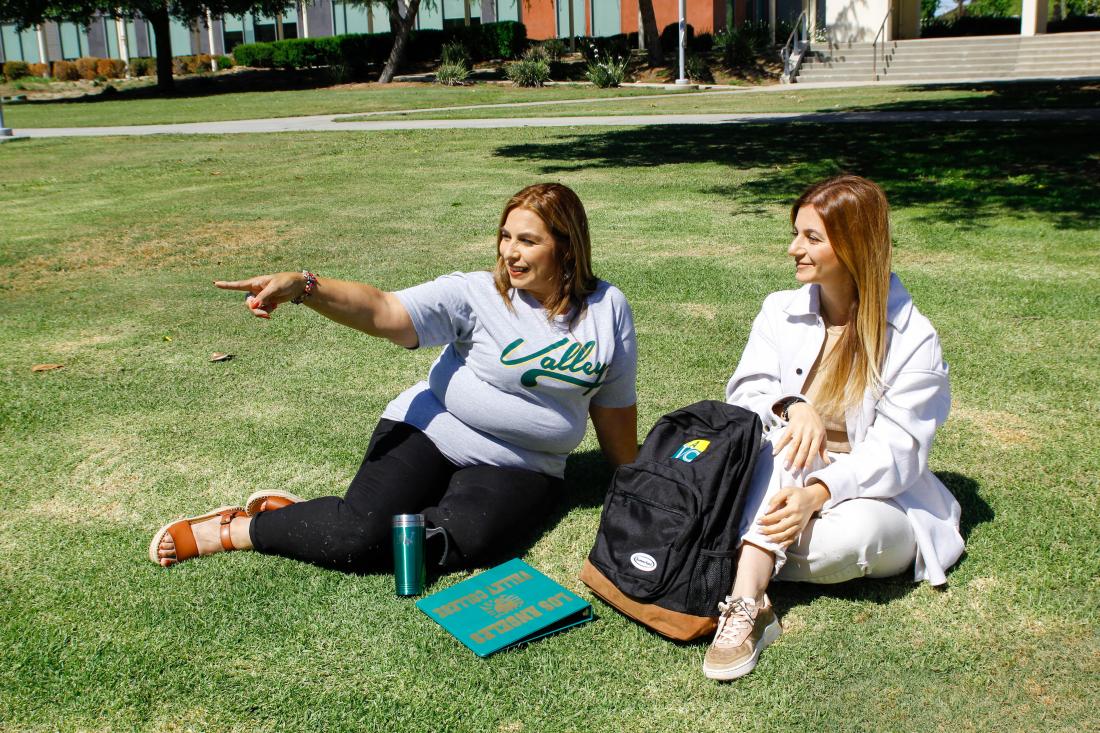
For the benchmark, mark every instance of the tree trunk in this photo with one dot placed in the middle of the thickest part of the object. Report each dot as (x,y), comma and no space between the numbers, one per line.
(163,31)
(400,40)
(650,33)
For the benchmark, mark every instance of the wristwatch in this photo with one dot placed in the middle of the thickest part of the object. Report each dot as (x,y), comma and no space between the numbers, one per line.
(787,405)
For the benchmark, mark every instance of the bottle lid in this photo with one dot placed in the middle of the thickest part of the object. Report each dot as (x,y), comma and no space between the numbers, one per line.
(408,520)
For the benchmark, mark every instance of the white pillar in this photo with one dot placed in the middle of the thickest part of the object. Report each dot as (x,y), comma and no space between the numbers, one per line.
(40,33)
(123,42)
(210,41)
(1033,20)
(305,19)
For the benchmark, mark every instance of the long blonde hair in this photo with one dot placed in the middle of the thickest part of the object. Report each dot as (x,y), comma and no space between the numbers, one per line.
(563,214)
(857,223)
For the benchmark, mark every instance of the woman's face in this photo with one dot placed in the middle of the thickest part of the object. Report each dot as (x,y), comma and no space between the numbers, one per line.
(529,252)
(815,261)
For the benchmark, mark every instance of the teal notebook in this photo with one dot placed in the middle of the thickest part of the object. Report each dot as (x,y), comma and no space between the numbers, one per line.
(508,605)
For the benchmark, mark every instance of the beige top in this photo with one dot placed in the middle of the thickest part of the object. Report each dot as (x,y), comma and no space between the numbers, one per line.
(836,429)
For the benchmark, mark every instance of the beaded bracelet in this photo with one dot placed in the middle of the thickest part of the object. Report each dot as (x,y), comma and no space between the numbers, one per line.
(311,285)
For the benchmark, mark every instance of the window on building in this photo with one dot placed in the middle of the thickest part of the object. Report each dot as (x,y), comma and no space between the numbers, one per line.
(74,40)
(232,31)
(507,9)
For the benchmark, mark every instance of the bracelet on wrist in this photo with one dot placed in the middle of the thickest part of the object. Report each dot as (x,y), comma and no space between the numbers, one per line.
(787,406)
(311,285)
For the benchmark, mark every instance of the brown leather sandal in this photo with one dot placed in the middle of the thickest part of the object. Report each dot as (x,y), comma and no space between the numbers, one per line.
(262,501)
(184,537)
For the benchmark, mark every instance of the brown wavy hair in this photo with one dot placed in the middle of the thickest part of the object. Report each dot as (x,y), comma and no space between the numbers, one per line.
(563,214)
(857,222)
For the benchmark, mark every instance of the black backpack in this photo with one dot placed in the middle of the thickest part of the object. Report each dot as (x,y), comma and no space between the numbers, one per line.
(664,552)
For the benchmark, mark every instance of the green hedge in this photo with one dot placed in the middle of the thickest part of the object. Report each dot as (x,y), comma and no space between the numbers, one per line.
(506,39)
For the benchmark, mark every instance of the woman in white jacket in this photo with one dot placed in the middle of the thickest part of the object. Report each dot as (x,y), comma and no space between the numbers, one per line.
(849,381)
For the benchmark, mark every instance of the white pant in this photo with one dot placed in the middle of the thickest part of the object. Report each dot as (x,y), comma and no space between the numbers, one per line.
(856,538)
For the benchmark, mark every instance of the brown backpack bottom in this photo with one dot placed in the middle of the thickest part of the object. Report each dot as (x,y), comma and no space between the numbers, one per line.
(675,625)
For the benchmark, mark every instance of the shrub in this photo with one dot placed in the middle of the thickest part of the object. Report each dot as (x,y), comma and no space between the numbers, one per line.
(452,75)
(16,70)
(1075,24)
(65,71)
(110,68)
(198,64)
(454,53)
(258,55)
(670,37)
(606,72)
(225,62)
(42,71)
(528,72)
(352,54)
(503,40)
(702,43)
(760,35)
(143,66)
(697,69)
(86,67)
(425,45)
(536,53)
(554,49)
(605,46)
(978,25)
(302,53)
(741,46)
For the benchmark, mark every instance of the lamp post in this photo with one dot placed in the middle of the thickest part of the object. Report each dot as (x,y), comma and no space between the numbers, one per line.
(4,131)
(683,41)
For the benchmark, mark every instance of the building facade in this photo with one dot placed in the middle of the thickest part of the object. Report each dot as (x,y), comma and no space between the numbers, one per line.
(543,19)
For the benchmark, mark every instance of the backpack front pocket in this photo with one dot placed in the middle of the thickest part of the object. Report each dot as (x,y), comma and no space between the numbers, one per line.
(648,520)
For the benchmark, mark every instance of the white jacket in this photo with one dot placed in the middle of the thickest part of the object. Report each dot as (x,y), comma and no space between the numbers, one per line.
(890,436)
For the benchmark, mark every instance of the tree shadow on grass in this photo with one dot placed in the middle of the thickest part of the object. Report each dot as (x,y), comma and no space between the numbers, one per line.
(206,85)
(999,95)
(960,173)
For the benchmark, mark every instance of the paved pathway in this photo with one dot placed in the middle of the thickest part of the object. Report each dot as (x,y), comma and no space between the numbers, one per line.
(331,122)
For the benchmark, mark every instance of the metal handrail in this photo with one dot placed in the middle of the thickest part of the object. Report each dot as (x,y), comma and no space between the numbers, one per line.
(874,46)
(790,48)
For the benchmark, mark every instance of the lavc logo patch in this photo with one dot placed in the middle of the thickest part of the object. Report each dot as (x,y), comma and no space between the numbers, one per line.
(690,450)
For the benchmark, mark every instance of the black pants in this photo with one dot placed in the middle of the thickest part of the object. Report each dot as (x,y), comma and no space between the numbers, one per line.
(487,511)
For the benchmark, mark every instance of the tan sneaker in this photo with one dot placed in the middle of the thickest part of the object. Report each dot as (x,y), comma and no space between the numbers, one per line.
(743,632)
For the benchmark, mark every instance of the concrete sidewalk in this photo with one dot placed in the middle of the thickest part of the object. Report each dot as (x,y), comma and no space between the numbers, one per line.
(332,123)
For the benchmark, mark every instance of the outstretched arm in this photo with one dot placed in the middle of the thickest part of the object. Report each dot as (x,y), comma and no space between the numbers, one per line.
(358,305)
(617,432)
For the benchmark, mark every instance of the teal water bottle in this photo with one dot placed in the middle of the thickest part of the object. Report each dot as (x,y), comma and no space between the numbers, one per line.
(410,571)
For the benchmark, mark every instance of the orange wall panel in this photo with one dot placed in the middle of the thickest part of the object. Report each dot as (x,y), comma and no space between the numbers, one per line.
(700,15)
(628,16)
(705,16)
(539,17)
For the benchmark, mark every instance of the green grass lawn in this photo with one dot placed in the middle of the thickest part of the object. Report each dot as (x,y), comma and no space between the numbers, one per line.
(242,105)
(108,250)
(1001,96)
(202,105)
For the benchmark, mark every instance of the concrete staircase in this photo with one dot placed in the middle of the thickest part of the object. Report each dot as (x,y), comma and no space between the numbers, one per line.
(1056,55)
